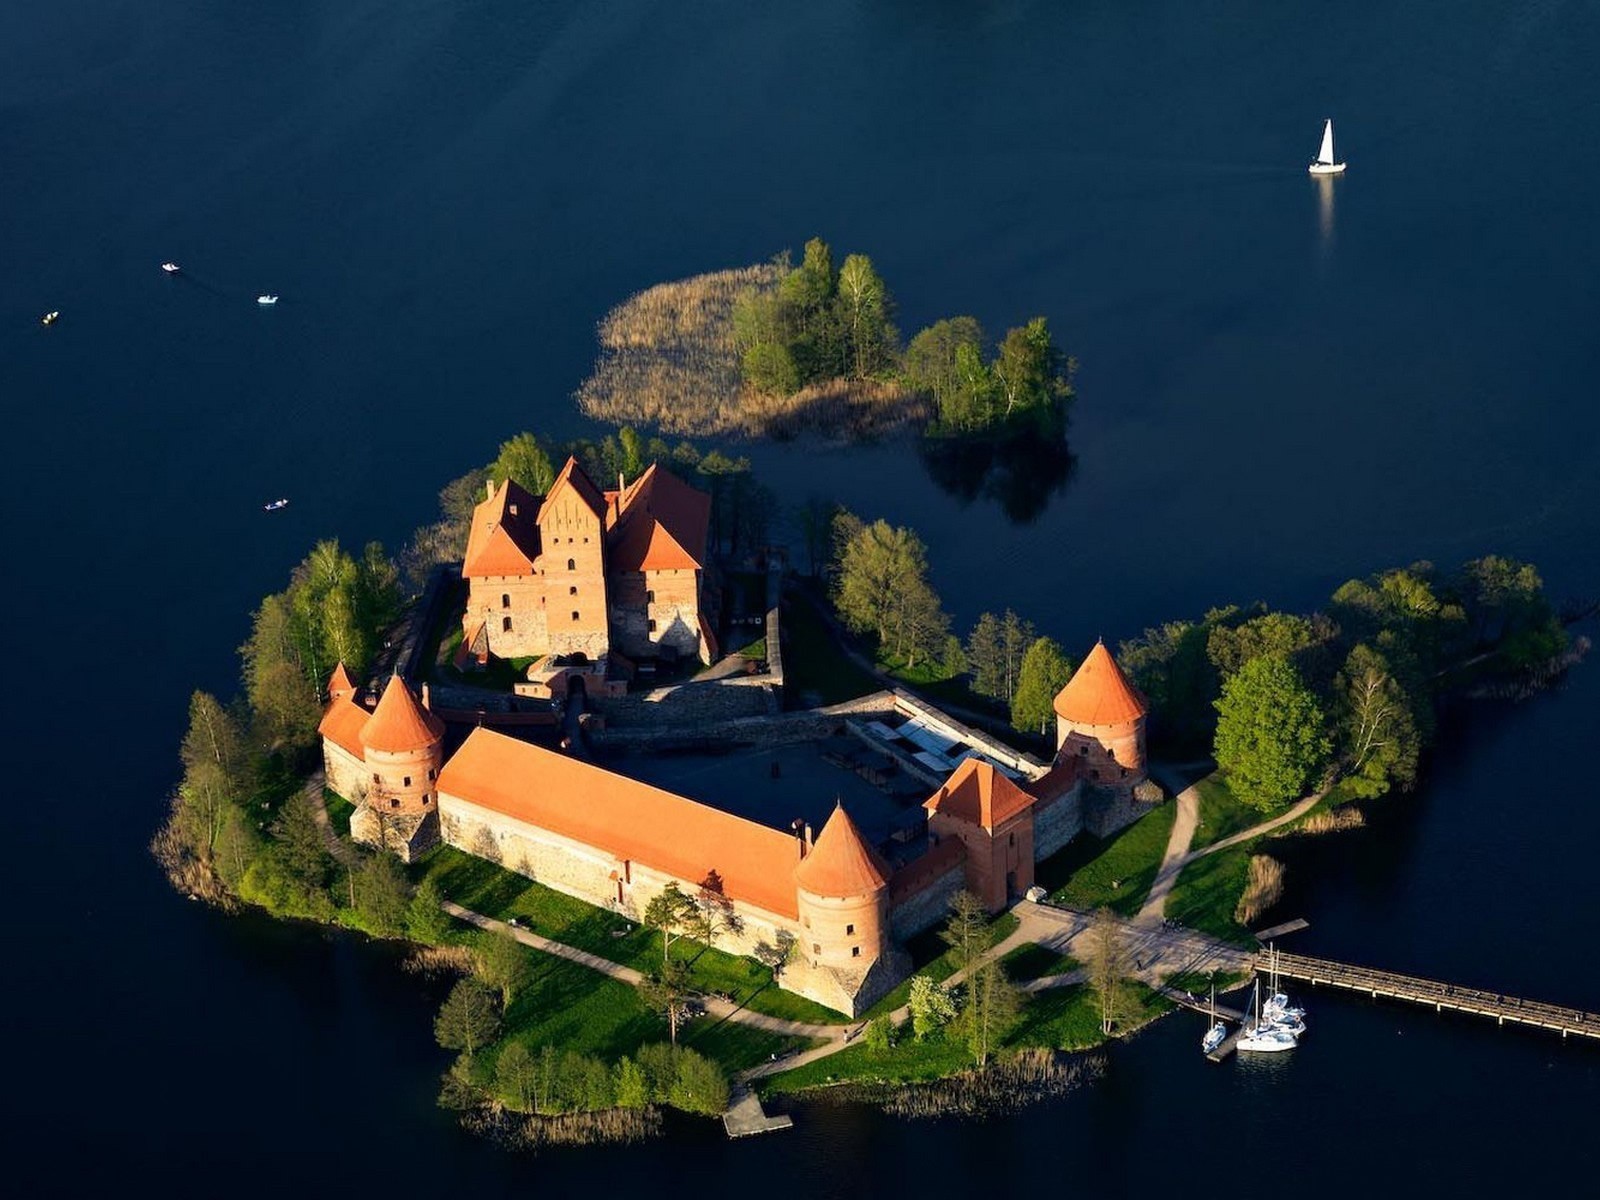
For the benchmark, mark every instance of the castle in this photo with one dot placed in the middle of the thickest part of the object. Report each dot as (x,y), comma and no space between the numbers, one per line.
(833,896)
(585,572)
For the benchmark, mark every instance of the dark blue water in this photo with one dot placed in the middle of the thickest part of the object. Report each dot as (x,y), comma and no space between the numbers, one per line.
(1280,388)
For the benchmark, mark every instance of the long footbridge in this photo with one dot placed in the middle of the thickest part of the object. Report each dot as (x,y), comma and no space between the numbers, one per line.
(1321,972)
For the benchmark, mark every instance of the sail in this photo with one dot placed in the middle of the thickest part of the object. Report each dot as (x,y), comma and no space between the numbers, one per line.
(1325,155)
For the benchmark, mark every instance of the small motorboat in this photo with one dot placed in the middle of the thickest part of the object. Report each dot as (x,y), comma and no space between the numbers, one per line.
(1215,1036)
(50,318)
(266,298)
(171,268)
(275,505)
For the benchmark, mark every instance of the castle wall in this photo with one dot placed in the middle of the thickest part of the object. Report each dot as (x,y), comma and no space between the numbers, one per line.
(999,865)
(1057,822)
(926,902)
(1121,744)
(346,774)
(493,599)
(652,609)
(404,782)
(572,567)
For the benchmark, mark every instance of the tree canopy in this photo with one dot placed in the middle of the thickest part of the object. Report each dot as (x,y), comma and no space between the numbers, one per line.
(1272,733)
(1045,671)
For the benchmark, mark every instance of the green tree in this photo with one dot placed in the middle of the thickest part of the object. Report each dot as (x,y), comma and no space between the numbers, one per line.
(632,1088)
(966,930)
(945,360)
(301,847)
(881,587)
(468,1020)
(1032,376)
(1272,734)
(770,368)
(524,461)
(816,525)
(673,913)
(992,1009)
(932,1007)
(502,962)
(1231,646)
(1377,733)
(699,1085)
(864,311)
(514,1076)
(381,894)
(426,920)
(1110,962)
(1169,664)
(879,1037)
(1045,671)
(667,992)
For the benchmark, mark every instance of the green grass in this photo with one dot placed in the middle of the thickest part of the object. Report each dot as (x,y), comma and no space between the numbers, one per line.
(1036,962)
(484,887)
(813,662)
(930,957)
(1115,872)
(1222,814)
(756,651)
(1207,891)
(339,811)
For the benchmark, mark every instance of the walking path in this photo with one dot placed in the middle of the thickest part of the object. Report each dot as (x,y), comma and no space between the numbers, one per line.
(336,845)
(1184,824)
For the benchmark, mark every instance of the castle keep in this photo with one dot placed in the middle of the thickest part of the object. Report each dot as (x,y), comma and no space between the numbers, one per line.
(585,571)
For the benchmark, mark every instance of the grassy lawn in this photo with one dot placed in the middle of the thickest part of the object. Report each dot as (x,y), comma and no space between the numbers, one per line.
(813,663)
(1036,962)
(339,811)
(1222,814)
(1116,872)
(1207,891)
(484,887)
(1060,1019)
(930,957)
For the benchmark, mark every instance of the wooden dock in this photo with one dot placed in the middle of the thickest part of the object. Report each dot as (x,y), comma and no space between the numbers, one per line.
(746,1118)
(1439,996)
(1224,1013)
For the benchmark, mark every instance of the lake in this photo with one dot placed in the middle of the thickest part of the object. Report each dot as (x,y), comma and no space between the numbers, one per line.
(1282,385)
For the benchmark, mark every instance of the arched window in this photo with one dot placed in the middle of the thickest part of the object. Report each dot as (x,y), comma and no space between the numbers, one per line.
(572,591)
(505,599)
(505,625)
(574,614)
(572,564)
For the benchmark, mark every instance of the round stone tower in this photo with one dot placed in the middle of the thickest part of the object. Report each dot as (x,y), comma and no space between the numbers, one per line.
(403,746)
(842,889)
(1100,716)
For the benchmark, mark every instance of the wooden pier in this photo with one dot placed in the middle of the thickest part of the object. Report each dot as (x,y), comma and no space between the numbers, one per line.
(1439,996)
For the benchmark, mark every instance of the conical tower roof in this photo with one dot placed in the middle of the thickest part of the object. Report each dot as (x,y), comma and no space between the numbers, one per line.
(399,723)
(339,683)
(841,863)
(1099,693)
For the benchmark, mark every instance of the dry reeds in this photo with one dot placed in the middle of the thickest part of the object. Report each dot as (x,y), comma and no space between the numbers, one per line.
(432,962)
(1262,890)
(1332,820)
(517,1131)
(1003,1086)
(668,361)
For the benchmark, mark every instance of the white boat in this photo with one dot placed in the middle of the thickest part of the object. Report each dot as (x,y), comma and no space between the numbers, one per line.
(50,318)
(266,298)
(171,268)
(1260,1037)
(1214,1037)
(1325,164)
(275,505)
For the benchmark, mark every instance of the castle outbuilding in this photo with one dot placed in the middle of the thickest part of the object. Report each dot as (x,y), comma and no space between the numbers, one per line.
(386,761)
(993,819)
(586,571)
(1100,720)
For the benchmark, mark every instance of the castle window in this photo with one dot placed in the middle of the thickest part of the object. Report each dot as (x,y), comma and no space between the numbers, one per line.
(505,624)
(1083,749)
(572,563)
(572,591)
(574,615)
(426,797)
(394,803)
(505,599)
(849,929)
(649,597)
(431,774)
(816,947)
(376,778)
(1011,839)
(406,781)
(855,951)
(652,624)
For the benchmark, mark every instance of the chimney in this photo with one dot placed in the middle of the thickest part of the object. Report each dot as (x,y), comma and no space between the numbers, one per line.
(488,485)
(622,485)
(799,829)
(809,841)
(427,701)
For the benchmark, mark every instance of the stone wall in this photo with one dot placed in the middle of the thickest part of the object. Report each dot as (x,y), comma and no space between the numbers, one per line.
(407,836)
(487,602)
(922,892)
(775,729)
(346,774)
(1057,822)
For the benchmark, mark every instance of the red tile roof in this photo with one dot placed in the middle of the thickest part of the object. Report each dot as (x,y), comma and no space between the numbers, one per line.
(1099,694)
(1054,783)
(339,682)
(399,723)
(342,723)
(573,476)
(503,542)
(624,817)
(841,863)
(661,525)
(980,795)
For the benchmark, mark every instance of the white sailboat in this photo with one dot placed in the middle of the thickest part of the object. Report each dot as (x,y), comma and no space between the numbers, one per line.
(1325,164)
(1262,1038)
(1218,1033)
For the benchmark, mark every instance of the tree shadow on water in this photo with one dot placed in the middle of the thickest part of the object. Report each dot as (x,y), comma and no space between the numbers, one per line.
(1020,470)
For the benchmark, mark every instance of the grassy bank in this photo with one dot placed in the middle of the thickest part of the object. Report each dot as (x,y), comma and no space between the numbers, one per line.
(1114,872)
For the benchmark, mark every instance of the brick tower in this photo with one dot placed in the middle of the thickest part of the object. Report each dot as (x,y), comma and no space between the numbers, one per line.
(1100,720)
(403,749)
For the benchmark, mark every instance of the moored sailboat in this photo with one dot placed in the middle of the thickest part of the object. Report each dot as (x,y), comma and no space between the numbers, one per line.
(1324,164)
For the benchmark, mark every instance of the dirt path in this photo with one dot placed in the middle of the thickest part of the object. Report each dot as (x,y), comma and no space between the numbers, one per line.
(336,845)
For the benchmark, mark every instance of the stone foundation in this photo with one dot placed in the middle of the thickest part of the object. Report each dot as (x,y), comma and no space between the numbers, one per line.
(407,836)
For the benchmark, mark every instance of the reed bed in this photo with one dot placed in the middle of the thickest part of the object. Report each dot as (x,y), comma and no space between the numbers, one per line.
(519,1131)
(1332,820)
(1262,889)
